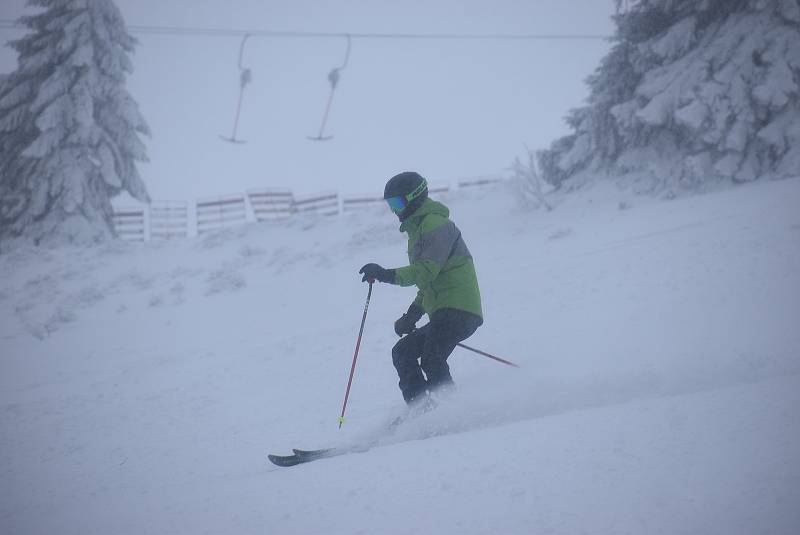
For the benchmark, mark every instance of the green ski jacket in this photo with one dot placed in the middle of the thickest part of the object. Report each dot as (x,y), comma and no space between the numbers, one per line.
(441,265)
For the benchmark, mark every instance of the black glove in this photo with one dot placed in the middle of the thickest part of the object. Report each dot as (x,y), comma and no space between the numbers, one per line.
(408,321)
(376,272)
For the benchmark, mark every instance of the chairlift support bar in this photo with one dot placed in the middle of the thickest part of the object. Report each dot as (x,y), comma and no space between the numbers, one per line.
(333,78)
(245,77)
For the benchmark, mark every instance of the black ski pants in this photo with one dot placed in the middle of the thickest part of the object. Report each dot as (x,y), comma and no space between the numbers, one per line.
(427,348)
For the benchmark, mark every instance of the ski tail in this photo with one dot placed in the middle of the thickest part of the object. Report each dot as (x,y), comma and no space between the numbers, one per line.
(304,456)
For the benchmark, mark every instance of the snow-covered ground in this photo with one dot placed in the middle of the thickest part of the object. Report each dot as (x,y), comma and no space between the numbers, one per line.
(142,385)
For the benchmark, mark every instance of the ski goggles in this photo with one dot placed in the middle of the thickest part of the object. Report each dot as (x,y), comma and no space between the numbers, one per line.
(397,204)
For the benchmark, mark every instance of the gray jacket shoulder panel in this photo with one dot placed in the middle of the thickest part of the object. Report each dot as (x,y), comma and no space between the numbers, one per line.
(439,245)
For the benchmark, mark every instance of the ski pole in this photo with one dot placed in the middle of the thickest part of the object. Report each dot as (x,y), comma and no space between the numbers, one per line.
(355,355)
(498,359)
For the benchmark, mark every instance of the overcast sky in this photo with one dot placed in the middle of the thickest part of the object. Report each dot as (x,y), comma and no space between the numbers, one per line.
(449,109)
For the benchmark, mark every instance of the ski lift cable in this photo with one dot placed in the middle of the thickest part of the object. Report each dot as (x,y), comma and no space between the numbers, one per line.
(334,74)
(10,24)
(366,35)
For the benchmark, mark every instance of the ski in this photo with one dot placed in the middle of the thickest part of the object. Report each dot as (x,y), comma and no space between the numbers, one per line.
(304,456)
(316,454)
(285,460)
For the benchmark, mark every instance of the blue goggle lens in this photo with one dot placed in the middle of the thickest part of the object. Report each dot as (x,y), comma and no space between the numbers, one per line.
(397,204)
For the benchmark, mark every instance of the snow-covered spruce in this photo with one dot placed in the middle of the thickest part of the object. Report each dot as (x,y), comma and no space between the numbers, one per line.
(691,94)
(69,130)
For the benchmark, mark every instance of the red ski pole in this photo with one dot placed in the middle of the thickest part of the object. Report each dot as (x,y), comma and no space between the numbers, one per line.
(498,359)
(355,355)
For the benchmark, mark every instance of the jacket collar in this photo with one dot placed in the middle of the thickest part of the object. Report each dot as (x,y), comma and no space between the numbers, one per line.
(426,208)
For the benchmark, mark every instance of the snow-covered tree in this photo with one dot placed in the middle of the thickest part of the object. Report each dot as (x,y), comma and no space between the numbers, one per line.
(693,92)
(531,189)
(69,130)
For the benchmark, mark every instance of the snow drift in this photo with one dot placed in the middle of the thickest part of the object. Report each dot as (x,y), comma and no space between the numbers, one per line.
(142,385)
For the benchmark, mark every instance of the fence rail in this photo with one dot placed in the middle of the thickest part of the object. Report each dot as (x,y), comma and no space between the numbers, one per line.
(163,220)
(271,204)
(361,202)
(220,212)
(321,203)
(479,182)
(169,219)
(130,224)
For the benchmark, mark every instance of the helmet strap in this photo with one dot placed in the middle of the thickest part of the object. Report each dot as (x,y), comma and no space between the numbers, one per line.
(417,191)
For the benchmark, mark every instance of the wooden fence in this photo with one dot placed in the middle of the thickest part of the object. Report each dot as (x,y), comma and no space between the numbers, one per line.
(439,189)
(321,203)
(169,219)
(270,203)
(220,212)
(361,202)
(475,183)
(130,224)
(163,220)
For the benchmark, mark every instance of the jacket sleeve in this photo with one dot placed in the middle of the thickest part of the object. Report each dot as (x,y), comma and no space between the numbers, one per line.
(415,310)
(429,255)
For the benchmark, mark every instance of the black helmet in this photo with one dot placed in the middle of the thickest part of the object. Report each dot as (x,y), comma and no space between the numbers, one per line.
(405,193)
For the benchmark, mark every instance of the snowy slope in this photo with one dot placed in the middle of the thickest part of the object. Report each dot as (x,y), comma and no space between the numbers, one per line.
(143,384)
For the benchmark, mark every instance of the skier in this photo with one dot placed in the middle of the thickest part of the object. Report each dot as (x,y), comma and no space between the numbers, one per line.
(441,268)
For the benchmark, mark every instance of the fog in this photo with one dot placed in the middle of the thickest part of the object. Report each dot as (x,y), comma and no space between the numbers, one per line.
(449,108)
